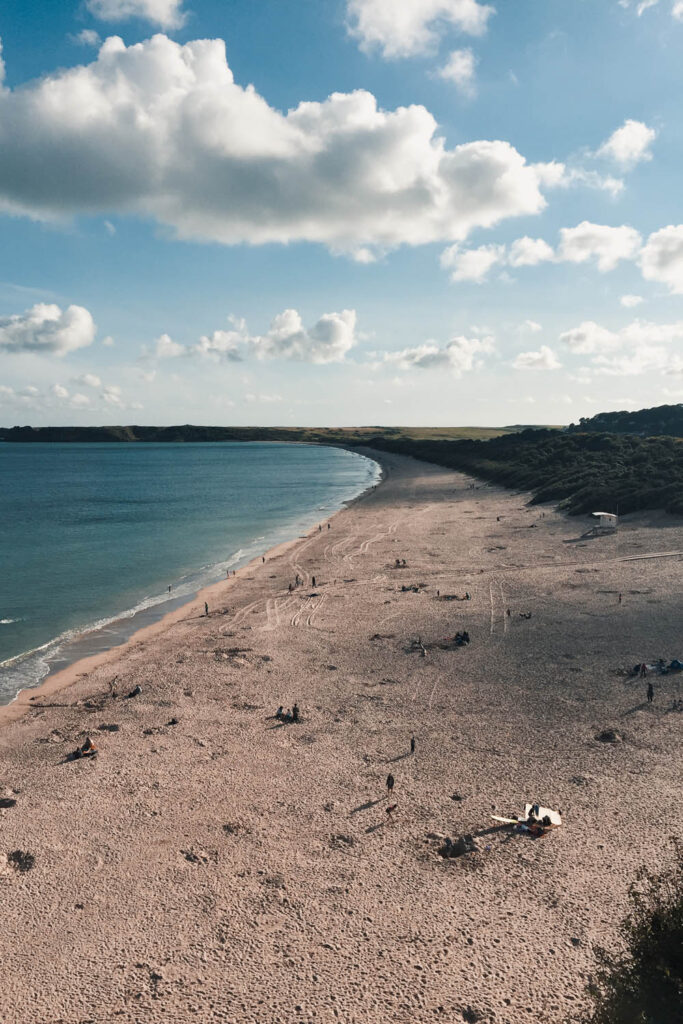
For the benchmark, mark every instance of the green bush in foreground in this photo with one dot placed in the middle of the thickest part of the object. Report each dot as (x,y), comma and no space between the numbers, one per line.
(643,984)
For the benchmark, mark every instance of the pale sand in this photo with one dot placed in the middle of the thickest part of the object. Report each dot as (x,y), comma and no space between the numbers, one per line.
(311,906)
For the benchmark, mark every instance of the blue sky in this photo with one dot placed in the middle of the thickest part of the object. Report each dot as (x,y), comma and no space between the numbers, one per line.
(339,212)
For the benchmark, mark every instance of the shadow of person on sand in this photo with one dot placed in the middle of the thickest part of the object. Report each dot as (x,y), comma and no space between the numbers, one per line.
(374,828)
(637,707)
(399,757)
(366,806)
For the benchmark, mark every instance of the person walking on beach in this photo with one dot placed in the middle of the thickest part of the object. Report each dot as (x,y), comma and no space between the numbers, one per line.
(619,598)
(412,744)
(650,693)
(206,609)
(313,579)
(390,784)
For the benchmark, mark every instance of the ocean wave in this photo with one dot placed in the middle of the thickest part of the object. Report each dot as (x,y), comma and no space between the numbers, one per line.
(6,622)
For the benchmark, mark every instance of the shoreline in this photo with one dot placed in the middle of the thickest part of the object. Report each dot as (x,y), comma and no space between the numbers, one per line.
(56,681)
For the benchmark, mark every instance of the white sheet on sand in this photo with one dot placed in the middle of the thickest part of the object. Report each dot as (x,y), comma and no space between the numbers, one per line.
(543,812)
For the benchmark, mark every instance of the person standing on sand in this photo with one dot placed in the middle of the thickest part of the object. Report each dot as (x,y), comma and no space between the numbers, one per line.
(328,526)
(412,744)
(390,784)
(619,598)
(650,693)
(313,579)
(206,608)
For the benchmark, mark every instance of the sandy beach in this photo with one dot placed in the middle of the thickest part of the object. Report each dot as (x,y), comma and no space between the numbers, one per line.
(211,863)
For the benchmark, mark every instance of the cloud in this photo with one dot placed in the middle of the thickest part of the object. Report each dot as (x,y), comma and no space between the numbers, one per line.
(641,5)
(530,325)
(164,13)
(46,329)
(629,144)
(87,37)
(608,245)
(406,28)
(111,395)
(327,341)
(460,70)
(472,264)
(661,259)
(88,380)
(677,10)
(634,349)
(528,252)
(458,356)
(224,344)
(588,338)
(630,301)
(166,348)
(162,130)
(58,391)
(543,359)
(79,401)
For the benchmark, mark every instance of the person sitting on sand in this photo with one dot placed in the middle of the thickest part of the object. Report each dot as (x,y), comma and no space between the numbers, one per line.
(279,712)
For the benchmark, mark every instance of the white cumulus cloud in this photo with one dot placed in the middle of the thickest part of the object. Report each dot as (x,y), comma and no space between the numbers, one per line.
(629,144)
(327,341)
(47,329)
(404,28)
(528,252)
(88,380)
(634,349)
(472,264)
(166,348)
(661,259)
(459,355)
(164,13)
(630,301)
(162,130)
(87,37)
(460,69)
(543,359)
(608,245)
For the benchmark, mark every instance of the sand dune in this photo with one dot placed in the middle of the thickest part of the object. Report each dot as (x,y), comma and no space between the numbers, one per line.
(231,868)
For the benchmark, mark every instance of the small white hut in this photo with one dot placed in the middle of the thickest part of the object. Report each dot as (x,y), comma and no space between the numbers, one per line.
(607,522)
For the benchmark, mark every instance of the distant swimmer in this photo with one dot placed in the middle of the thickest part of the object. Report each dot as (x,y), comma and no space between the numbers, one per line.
(169,588)
(390,783)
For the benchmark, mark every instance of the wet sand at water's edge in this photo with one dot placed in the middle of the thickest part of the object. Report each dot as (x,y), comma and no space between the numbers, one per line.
(212,864)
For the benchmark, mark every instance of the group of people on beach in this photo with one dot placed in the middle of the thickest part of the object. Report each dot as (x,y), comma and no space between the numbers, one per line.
(288,717)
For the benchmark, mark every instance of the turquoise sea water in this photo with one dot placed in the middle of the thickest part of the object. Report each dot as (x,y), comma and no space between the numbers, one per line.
(93,532)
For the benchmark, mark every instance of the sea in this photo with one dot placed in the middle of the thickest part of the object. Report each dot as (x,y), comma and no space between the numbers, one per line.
(92,536)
